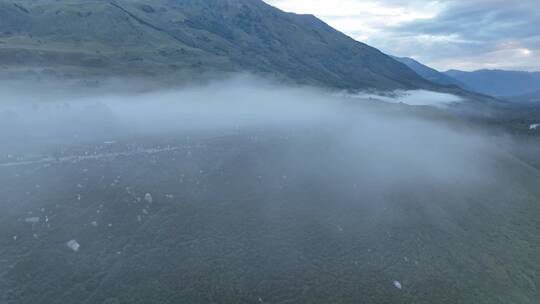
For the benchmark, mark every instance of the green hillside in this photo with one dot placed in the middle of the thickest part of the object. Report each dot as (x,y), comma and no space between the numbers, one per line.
(189,38)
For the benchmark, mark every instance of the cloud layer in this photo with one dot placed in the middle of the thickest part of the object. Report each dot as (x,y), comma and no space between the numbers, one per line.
(444,34)
(385,146)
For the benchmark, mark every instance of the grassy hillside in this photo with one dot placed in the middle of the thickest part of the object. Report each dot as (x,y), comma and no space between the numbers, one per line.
(188,38)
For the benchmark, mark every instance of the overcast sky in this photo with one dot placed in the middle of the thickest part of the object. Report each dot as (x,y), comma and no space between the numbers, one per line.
(445,34)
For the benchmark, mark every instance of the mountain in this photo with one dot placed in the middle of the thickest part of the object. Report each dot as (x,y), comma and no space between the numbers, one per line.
(498,83)
(429,73)
(509,85)
(533,97)
(183,38)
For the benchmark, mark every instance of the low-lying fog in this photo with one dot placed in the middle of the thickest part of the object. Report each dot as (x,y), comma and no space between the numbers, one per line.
(414,98)
(391,142)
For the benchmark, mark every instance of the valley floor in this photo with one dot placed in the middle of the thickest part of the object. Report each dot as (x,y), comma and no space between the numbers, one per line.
(240,218)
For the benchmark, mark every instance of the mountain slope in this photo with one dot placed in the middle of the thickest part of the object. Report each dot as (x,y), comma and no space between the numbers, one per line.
(429,73)
(498,83)
(166,37)
(533,97)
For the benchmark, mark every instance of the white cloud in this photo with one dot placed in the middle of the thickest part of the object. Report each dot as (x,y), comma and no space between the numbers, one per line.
(375,13)
(331,8)
(344,11)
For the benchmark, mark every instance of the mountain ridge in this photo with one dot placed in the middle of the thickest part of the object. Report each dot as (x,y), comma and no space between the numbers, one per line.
(498,83)
(506,85)
(429,73)
(172,37)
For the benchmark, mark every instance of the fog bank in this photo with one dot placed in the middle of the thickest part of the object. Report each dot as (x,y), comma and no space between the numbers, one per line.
(387,142)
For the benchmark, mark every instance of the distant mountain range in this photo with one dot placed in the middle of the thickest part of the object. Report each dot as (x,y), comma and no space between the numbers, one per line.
(189,38)
(430,73)
(498,83)
(512,85)
(530,97)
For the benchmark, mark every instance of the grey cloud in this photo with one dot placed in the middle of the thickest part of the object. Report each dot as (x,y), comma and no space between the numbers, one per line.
(480,34)
(482,21)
